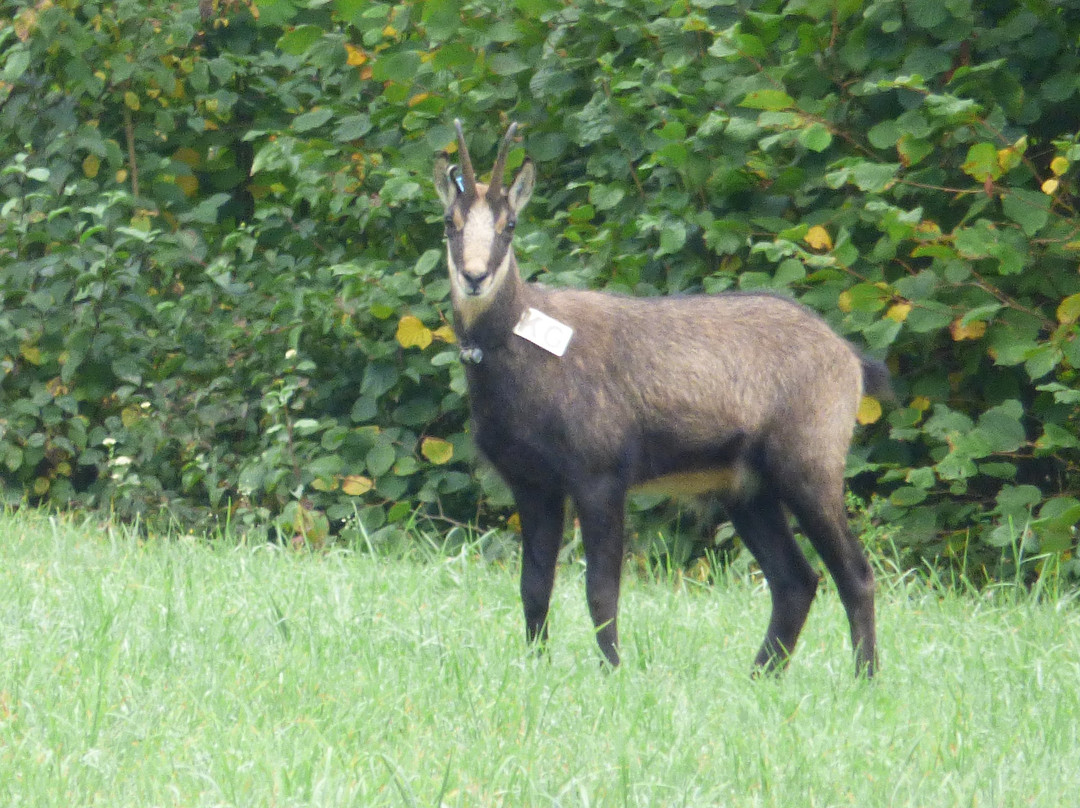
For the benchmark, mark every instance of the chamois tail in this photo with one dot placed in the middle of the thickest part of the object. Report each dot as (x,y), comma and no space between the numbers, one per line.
(877,380)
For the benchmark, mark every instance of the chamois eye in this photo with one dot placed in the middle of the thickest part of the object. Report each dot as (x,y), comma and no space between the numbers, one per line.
(448,220)
(511,224)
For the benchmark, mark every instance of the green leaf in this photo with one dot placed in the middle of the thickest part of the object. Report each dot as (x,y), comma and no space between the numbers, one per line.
(1029,209)
(298,40)
(907,495)
(1041,360)
(1002,426)
(1055,437)
(380,459)
(884,135)
(605,197)
(767,100)
(982,162)
(507,64)
(16,62)
(399,66)
(874,177)
(672,238)
(273,13)
(1056,525)
(816,137)
(441,18)
(352,127)
(428,261)
(977,241)
(312,120)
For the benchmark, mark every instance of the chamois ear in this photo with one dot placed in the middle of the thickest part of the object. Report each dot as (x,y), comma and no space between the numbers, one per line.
(445,183)
(522,187)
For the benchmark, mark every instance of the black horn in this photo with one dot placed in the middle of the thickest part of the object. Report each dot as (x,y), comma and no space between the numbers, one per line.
(466,162)
(500,161)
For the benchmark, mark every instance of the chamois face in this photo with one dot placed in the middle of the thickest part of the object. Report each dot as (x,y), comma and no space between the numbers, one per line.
(480,222)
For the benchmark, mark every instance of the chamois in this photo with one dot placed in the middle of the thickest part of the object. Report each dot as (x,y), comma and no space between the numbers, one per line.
(590,395)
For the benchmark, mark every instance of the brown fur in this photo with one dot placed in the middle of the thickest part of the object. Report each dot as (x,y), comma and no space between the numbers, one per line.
(751,396)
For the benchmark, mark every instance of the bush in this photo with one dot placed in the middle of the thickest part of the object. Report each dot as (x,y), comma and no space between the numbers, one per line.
(223,291)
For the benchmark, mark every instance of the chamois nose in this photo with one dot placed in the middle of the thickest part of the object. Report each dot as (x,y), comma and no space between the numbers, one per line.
(473,283)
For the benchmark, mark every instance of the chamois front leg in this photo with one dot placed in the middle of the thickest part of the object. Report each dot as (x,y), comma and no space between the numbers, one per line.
(542,515)
(601,511)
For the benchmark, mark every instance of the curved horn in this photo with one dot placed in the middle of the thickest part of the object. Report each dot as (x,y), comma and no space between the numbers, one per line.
(500,160)
(466,162)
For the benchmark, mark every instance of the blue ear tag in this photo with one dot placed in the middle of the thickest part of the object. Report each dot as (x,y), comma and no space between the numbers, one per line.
(455,177)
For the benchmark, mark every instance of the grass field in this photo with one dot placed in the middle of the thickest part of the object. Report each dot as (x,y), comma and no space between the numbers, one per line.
(183,673)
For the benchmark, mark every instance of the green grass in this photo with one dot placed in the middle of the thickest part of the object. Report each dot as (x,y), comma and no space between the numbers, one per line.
(184,673)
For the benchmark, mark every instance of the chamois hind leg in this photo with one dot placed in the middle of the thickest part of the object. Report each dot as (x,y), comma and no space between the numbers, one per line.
(542,515)
(763,526)
(818,505)
(601,512)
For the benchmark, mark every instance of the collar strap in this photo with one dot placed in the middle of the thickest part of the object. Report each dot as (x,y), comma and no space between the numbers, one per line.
(471,355)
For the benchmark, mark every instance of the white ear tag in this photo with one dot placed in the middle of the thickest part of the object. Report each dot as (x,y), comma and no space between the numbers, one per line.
(545,331)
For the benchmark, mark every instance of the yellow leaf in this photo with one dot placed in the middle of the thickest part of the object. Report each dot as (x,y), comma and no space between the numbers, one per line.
(1059,165)
(1008,159)
(869,410)
(1068,311)
(419,98)
(928,229)
(818,238)
(973,330)
(25,22)
(91,164)
(920,403)
(844,301)
(411,333)
(31,353)
(1050,186)
(188,183)
(354,485)
(445,333)
(132,101)
(356,56)
(514,522)
(41,485)
(130,415)
(320,484)
(437,450)
(188,156)
(899,311)
(121,176)
(389,31)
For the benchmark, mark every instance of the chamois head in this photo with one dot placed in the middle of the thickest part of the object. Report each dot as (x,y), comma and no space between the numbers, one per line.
(480,223)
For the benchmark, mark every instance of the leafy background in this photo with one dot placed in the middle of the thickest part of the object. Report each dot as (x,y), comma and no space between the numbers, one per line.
(222,285)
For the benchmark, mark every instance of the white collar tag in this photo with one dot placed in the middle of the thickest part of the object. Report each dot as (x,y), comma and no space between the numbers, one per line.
(547,332)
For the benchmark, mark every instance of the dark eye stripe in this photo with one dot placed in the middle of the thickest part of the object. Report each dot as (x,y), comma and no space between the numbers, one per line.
(498,253)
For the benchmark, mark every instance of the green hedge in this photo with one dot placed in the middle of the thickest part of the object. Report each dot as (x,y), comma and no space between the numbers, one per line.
(223,293)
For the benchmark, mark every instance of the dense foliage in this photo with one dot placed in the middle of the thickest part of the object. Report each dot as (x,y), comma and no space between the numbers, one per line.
(221,278)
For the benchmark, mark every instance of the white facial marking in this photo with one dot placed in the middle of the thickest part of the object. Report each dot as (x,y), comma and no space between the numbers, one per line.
(478,237)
